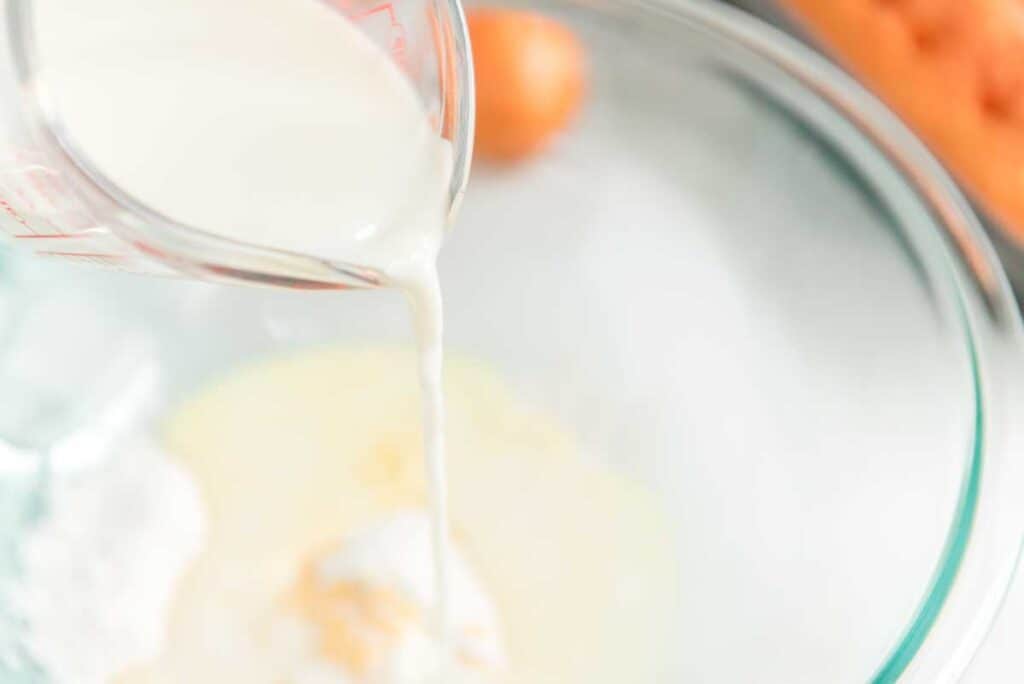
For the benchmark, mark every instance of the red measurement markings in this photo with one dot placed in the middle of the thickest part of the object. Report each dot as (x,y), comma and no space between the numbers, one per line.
(45,236)
(41,193)
(102,260)
(385,10)
(82,255)
(94,258)
(13,213)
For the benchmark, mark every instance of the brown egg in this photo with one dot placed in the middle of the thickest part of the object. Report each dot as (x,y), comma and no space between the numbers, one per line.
(529,81)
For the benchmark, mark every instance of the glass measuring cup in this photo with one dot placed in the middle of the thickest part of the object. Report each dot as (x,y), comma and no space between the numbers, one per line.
(55,202)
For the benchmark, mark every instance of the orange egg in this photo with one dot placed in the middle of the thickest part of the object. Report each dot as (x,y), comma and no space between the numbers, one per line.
(529,81)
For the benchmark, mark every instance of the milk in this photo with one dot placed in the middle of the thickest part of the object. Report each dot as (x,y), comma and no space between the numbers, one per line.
(274,122)
(561,570)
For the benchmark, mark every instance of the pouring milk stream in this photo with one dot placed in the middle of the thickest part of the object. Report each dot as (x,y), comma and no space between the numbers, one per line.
(272,122)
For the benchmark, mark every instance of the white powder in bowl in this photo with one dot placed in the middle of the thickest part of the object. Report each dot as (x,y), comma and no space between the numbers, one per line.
(101,565)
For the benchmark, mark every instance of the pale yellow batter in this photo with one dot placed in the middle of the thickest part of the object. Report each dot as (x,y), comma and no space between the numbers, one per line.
(294,455)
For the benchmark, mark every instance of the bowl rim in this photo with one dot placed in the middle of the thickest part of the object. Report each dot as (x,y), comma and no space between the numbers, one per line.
(983,544)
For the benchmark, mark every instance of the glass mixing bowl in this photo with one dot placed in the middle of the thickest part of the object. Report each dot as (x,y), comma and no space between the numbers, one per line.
(738,279)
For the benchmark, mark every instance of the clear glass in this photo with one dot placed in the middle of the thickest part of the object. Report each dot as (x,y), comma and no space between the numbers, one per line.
(54,201)
(739,281)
